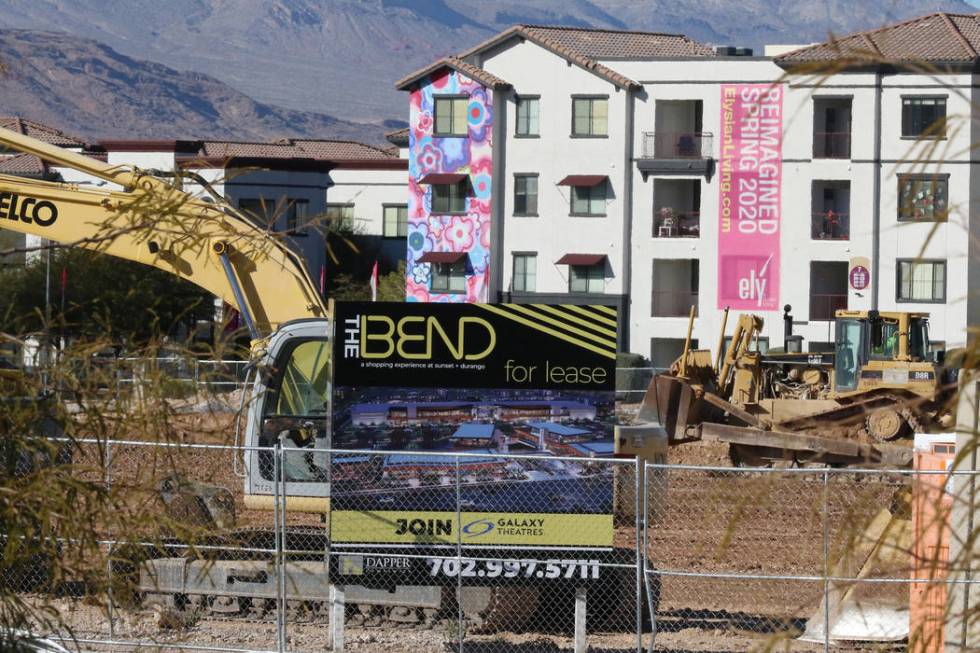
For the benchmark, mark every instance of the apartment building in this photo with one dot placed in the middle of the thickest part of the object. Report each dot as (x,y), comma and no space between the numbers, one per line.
(653,173)
(296,185)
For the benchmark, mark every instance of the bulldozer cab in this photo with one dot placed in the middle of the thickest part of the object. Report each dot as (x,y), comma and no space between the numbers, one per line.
(871,345)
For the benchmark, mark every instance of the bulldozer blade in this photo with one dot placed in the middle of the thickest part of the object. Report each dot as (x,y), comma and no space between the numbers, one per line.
(868,612)
(668,401)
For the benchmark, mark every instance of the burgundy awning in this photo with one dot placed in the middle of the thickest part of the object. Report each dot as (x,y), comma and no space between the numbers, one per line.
(583,180)
(443,178)
(441,257)
(581,259)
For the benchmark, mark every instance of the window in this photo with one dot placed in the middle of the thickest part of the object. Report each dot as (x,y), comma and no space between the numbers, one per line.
(525,194)
(831,128)
(395,221)
(295,211)
(451,115)
(525,272)
(675,287)
(589,200)
(921,281)
(831,205)
(664,351)
(449,198)
(298,213)
(449,278)
(760,344)
(828,289)
(590,116)
(258,208)
(339,212)
(922,198)
(527,116)
(924,117)
(587,278)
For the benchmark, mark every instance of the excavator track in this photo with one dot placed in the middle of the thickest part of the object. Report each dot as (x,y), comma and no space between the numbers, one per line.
(239,566)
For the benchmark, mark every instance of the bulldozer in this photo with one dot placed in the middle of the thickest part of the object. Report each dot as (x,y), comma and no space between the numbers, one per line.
(858,404)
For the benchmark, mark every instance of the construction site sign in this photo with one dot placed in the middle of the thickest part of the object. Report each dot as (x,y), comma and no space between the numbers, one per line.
(499,410)
(750,188)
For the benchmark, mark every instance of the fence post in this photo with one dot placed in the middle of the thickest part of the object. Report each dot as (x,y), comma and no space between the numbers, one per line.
(108,563)
(581,643)
(646,554)
(459,558)
(640,552)
(277,508)
(338,611)
(826,561)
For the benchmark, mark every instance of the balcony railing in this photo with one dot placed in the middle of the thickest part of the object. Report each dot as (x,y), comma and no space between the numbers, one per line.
(830,226)
(823,306)
(667,224)
(832,145)
(677,145)
(673,303)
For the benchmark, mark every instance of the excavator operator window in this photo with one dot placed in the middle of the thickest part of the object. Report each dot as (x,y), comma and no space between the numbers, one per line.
(305,385)
(884,339)
(296,411)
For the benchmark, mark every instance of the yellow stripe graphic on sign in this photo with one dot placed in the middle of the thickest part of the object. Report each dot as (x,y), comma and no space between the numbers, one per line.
(605,309)
(574,319)
(592,314)
(548,330)
(562,325)
(478,528)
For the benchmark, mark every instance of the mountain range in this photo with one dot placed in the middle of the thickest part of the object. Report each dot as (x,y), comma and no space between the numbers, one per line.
(259,69)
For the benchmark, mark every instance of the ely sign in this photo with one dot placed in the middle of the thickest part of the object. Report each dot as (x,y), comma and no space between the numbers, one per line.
(750,210)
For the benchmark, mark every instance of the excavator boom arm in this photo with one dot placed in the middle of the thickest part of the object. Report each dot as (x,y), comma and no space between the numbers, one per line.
(149,221)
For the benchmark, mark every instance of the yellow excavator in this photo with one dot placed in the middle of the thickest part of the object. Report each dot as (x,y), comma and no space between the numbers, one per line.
(150,219)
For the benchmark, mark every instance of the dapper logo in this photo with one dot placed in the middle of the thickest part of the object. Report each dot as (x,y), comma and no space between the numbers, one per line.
(27,209)
(414,337)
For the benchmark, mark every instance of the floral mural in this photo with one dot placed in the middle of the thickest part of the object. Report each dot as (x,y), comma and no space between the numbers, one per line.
(432,232)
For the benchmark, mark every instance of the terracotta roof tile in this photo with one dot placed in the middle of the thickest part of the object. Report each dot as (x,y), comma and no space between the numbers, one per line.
(341,150)
(39,131)
(934,38)
(232,150)
(25,165)
(398,138)
(295,149)
(586,47)
(616,44)
(457,64)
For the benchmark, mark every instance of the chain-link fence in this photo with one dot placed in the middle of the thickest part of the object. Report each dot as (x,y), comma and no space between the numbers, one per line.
(513,553)
(756,559)
(417,552)
(182,373)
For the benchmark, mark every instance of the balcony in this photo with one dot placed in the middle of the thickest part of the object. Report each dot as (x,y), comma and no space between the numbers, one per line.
(823,306)
(667,224)
(832,128)
(830,225)
(677,152)
(832,145)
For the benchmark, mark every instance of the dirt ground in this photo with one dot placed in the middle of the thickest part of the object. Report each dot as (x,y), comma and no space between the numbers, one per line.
(701,522)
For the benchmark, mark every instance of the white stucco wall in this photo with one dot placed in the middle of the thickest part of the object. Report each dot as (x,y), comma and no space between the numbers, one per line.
(554,155)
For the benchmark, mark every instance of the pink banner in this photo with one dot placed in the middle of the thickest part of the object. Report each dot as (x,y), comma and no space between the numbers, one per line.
(750,196)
